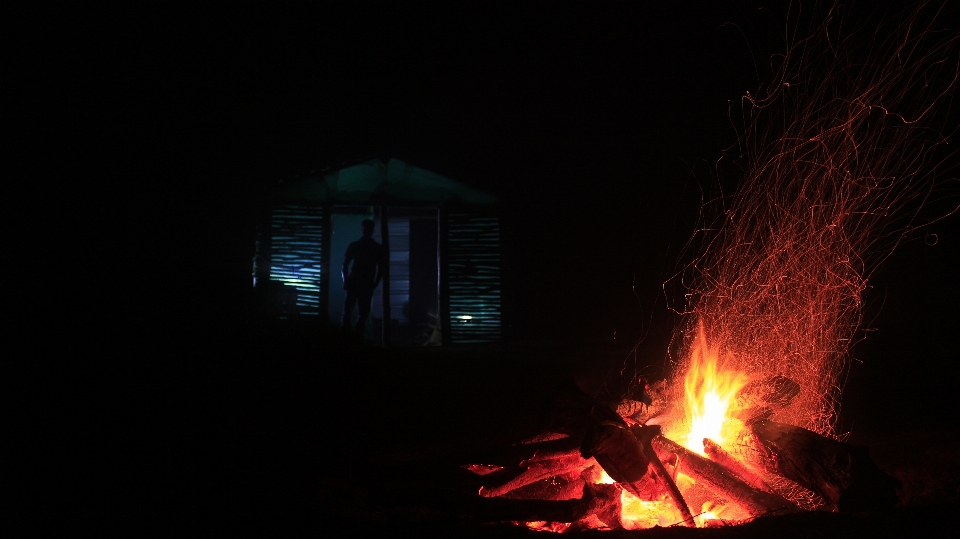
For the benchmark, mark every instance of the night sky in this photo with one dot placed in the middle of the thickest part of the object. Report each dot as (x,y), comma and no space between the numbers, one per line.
(596,128)
(165,130)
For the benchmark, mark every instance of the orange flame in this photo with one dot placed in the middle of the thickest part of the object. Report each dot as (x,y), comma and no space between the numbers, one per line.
(710,390)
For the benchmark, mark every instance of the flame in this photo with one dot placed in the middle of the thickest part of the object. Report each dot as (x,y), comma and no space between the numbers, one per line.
(605,478)
(637,514)
(710,390)
(708,513)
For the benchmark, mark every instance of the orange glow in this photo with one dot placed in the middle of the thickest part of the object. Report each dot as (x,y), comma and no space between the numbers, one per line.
(544,526)
(637,514)
(710,511)
(709,391)
(605,479)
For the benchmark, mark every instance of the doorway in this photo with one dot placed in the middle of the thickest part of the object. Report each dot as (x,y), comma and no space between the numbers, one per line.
(414,305)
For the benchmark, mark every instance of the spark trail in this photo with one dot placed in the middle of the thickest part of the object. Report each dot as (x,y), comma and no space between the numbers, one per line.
(837,155)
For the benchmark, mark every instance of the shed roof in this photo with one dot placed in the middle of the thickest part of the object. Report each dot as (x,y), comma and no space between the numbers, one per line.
(378,182)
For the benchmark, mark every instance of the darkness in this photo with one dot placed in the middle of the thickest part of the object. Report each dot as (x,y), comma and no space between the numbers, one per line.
(152,136)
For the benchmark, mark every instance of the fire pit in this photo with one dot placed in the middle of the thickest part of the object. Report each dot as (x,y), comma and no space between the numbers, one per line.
(772,298)
(594,468)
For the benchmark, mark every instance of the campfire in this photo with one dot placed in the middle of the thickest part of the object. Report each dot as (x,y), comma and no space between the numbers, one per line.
(712,458)
(832,171)
(835,161)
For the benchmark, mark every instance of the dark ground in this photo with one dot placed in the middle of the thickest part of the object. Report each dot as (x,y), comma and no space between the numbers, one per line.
(305,431)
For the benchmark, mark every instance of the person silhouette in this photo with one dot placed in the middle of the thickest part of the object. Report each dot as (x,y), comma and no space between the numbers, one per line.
(361,280)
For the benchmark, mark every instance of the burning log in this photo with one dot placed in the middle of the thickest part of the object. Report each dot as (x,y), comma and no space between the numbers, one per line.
(645,435)
(571,411)
(604,503)
(519,454)
(725,483)
(721,457)
(600,500)
(629,461)
(499,484)
(843,474)
(621,455)
(558,487)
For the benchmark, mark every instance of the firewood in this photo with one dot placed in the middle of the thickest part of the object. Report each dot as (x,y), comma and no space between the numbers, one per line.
(645,436)
(632,462)
(518,454)
(571,463)
(843,474)
(507,509)
(571,411)
(722,482)
(604,503)
(721,457)
(600,500)
(620,454)
(556,487)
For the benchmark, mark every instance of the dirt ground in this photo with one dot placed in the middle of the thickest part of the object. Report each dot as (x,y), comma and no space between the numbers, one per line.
(310,432)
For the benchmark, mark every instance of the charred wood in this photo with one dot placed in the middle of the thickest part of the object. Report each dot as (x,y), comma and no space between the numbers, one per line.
(557,487)
(571,411)
(723,482)
(519,454)
(629,461)
(604,503)
(600,500)
(721,457)
(499,484)
(645,436)
(620,454)
(843,474)
(632,462)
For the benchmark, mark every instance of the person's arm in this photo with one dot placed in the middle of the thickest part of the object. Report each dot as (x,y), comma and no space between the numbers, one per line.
(345,269)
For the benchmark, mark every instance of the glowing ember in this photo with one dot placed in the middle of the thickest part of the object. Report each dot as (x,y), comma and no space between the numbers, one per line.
(605,479)
(637,514)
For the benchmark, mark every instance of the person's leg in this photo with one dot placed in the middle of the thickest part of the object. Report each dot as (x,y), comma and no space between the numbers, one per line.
(364,297)
(350,297)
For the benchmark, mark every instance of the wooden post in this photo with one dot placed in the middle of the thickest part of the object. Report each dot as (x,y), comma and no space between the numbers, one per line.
(443,280)
(385,291)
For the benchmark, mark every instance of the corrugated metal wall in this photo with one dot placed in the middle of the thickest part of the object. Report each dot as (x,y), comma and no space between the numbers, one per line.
(473,276)
(296,252)
(471,264)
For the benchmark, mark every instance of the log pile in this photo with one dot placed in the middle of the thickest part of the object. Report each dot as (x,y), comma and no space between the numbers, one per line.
(555,480)
(843,474)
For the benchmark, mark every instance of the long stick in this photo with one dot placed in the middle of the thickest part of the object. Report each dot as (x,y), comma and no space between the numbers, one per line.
(723,482)
(536,471)
(645,435)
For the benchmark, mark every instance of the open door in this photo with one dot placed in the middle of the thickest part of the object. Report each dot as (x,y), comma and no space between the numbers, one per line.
(413,271)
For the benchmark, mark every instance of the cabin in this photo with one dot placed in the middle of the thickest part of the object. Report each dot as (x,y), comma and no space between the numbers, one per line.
(444,284)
